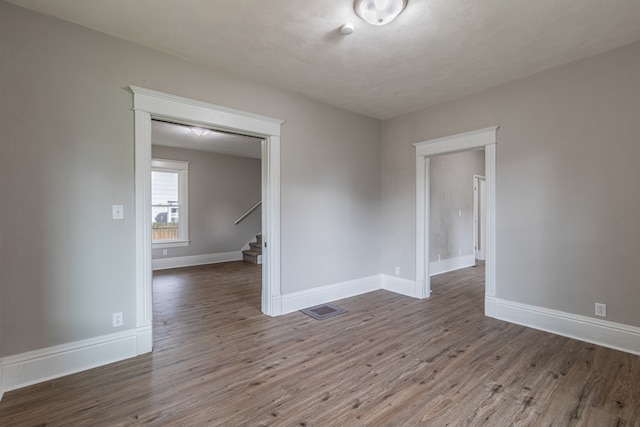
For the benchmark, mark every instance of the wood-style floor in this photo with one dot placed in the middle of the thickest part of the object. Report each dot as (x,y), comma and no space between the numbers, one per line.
(390,361)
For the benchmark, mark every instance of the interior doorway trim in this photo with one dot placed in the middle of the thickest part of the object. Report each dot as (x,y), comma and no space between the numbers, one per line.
(479,203)
(474,140)
(149,104)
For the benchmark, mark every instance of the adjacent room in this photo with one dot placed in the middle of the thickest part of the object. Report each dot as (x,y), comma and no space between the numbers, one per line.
(180,179)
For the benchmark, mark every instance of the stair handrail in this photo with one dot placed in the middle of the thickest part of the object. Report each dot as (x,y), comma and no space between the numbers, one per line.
(244,215)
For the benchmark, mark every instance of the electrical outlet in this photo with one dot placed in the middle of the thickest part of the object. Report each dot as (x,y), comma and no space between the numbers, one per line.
(165,252)
(397,271)
(117,319)
(601,309)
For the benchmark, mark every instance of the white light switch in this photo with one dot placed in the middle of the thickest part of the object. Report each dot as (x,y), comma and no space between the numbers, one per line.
(117,211)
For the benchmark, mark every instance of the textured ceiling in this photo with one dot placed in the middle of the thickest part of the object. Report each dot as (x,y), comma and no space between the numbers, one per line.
(436,50)
(180,136)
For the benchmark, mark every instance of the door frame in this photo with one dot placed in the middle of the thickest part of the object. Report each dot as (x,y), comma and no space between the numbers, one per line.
(474,140)
(149,104)
(479,233)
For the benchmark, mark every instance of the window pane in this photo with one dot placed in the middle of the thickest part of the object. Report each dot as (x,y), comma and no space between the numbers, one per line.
(164,188)
(165,210)
(165,224)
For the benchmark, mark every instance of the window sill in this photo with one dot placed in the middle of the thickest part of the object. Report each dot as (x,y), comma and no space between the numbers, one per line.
(170,244)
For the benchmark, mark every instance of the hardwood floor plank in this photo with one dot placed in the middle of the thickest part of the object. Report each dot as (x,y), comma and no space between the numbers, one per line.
(389,361)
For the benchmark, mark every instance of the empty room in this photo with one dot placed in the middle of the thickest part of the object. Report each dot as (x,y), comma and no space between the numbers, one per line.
(319,213)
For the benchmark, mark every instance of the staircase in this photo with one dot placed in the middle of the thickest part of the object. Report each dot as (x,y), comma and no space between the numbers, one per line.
(254,253)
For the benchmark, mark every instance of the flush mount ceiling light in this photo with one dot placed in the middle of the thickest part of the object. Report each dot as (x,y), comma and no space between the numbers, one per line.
(199,131)
(379,12)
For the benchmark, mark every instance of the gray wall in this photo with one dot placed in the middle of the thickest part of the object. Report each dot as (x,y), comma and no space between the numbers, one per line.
(451,191)
(221,188)
(67,156)
(567,183)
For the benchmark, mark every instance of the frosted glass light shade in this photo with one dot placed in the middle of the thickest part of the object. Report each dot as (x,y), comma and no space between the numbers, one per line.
(200,131)
(379,12)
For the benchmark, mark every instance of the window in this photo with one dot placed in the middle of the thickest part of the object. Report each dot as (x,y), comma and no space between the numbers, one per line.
(169,207)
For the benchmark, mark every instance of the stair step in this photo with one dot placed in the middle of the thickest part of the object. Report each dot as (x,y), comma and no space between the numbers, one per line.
(252,257)
(254,254)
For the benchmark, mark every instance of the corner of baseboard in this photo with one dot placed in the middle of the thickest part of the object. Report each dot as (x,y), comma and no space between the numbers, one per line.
(276,305)
(144,340)
(401,286)
(333,292)
(490,306)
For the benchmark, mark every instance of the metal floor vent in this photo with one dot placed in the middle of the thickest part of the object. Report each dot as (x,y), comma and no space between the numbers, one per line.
(323,311)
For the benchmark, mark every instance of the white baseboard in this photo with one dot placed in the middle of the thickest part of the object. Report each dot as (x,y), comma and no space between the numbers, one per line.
(41,365)
(144,340)
(490,306)
(400,286)
(188,261)
(323,294)
(601,332)
(276,305)
(36,366)
(451,264)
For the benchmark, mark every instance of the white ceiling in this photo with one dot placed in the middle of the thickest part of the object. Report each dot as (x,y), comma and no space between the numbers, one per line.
(436,50)
(180,136)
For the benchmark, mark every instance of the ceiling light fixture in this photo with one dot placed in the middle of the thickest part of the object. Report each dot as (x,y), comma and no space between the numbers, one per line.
(379,12)
(199,131)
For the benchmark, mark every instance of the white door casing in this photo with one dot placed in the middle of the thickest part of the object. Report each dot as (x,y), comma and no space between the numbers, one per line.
(149,104)
(479,217)
(474,140)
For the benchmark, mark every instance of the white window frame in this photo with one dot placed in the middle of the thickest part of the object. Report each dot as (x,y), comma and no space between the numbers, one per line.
(182,169)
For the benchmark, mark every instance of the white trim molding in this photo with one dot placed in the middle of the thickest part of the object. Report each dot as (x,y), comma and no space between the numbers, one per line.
(324,294)
(189,261)
(401,286)
(596,331)
(489,305)
(37,366)
(478,205)
(451,264)
(337,291)
(33,367)
(474,140)
(149,104)
(144,339)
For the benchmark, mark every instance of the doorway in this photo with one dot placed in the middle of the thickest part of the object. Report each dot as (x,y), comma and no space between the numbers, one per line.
(451,210)
(482,138)
(149,104)
(208,211)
